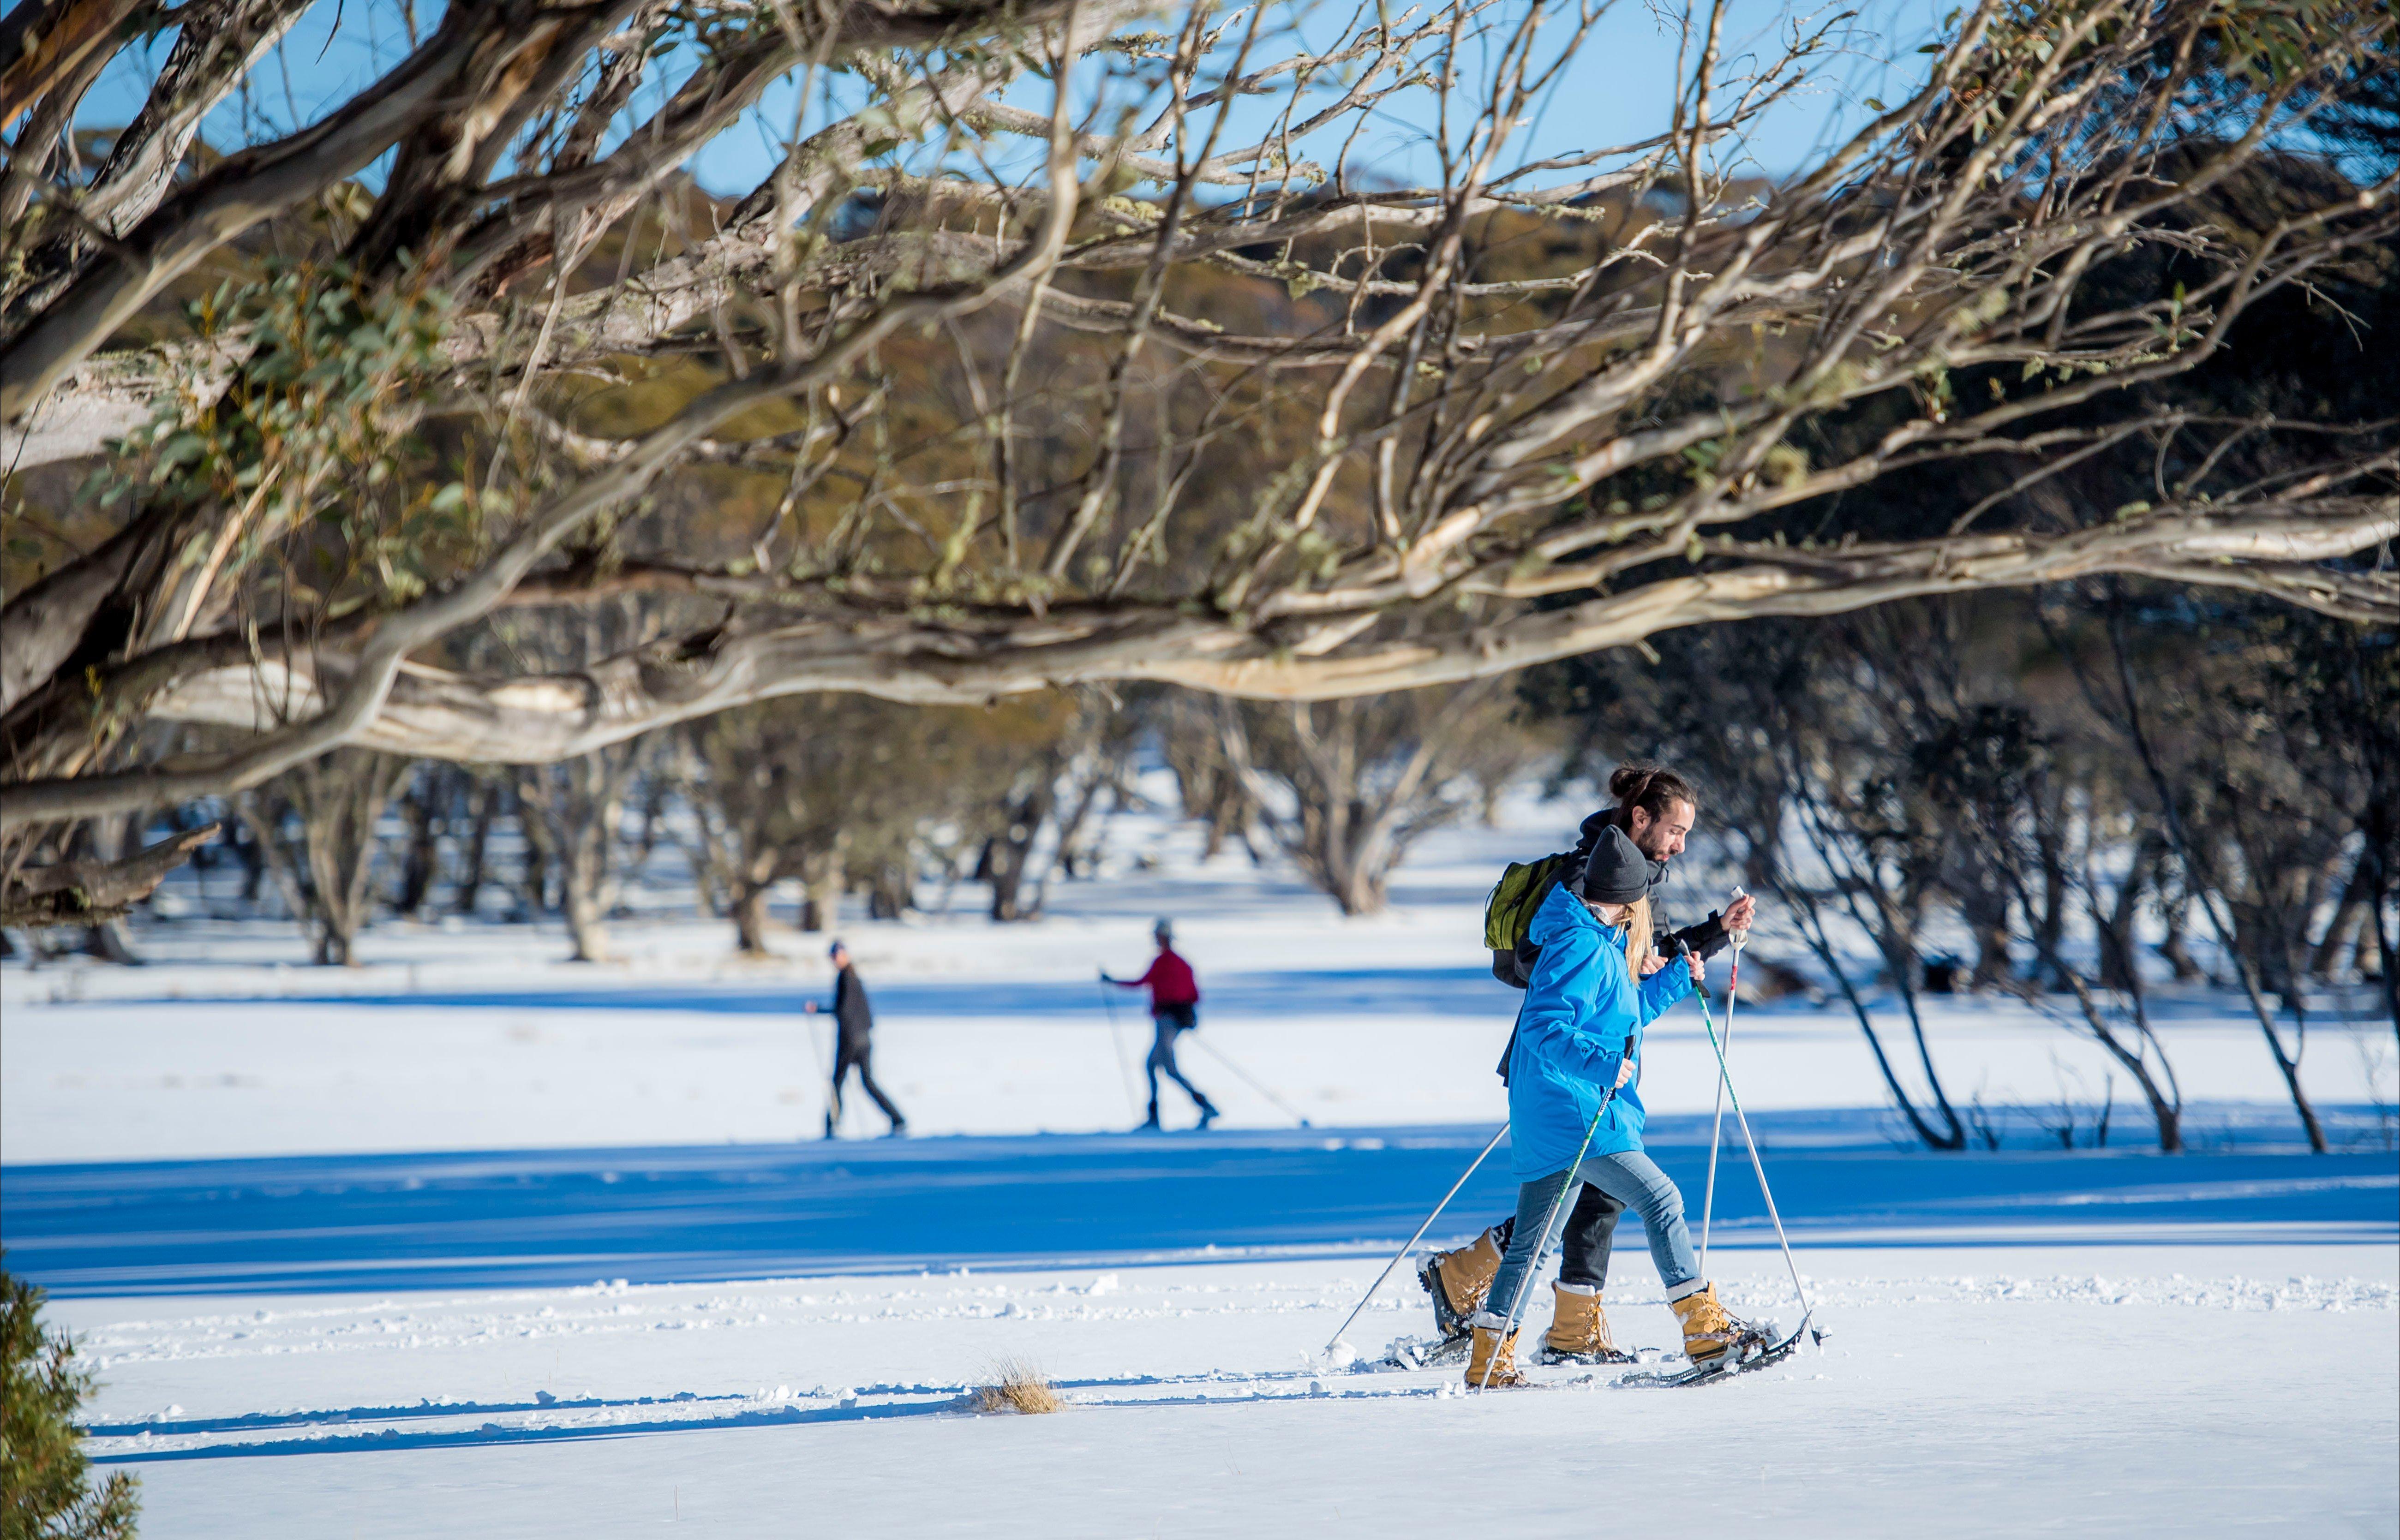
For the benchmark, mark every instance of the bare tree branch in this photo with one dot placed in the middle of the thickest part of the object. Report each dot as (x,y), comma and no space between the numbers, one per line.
(86,892)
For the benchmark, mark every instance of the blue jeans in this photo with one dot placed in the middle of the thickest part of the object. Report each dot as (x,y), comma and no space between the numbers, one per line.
(1632,1179)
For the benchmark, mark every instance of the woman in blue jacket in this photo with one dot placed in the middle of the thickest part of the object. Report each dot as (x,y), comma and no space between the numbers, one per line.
(1581,1034)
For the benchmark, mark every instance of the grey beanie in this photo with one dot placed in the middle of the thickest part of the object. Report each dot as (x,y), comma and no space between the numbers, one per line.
(1618,871)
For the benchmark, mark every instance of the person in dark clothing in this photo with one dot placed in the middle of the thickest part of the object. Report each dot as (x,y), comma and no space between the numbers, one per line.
(1656,808)
(853,1023)
(1174,1010)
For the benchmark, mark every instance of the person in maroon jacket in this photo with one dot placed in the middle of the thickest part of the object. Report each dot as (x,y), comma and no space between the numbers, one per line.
(1173,1009)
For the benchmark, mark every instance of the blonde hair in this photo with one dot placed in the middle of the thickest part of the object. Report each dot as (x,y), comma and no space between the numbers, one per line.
(1635,918)
(1637,934)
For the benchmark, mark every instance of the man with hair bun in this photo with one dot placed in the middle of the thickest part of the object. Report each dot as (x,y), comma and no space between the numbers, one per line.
(1655,809)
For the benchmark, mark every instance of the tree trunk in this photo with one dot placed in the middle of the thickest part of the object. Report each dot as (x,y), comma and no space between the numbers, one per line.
(106,941)
(890,893)
(2165,1101)
(483,801)
(342,796)
(423,860)
(1352,864)
(1008,856)
(820,908)
(1002,864)
(654,803)
(335,801)
(2349,927)
(1993,969)
(262,813)
(2288,1065)
(2174,946)
(587,895)
(2117,954)
(2050,923)
(2387,948)
(252,856)
(749,908)
(539,855)
(1360,892)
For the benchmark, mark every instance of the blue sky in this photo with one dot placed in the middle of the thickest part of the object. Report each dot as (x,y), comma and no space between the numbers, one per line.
(1620,87)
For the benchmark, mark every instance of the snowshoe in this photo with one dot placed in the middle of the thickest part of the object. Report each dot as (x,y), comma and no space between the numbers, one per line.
(1758,1348)
(1424,1353)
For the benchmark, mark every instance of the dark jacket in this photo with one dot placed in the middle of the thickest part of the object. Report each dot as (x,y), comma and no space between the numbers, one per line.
(850,1009)
(1708,937)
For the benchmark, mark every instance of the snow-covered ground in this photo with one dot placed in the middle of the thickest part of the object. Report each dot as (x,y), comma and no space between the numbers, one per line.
(330,1237)
(2095,1391)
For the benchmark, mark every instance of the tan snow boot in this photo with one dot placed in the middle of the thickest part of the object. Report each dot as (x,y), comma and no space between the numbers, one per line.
(1459,1280)
(1709,1333)
(1492,1365)
(1579,1328)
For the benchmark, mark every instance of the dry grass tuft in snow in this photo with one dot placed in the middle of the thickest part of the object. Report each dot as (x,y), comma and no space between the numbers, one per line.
(1017,1386)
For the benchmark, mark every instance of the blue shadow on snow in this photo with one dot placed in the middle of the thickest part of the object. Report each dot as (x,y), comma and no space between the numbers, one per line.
(656,1214)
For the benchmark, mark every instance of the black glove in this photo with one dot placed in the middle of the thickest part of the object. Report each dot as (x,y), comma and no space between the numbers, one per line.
(1708,937)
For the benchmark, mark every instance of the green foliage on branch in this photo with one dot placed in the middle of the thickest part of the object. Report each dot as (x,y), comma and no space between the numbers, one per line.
(313,451)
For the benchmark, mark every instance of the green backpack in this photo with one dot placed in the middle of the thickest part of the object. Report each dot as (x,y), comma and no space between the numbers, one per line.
(1509,914)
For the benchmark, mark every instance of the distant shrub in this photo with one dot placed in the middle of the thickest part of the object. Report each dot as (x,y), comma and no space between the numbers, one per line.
(1018,1386)
(46,1490)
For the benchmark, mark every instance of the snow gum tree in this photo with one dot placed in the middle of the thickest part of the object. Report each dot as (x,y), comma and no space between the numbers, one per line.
(1347,786)
(1082,346)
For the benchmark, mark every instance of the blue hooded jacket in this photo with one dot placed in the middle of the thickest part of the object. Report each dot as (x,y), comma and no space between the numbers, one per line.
(1581,1008)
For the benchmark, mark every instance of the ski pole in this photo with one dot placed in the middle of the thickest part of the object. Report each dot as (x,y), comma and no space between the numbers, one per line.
(1707,1020)
(833,1081)
(1336,1338)
(1116,1040)
(1716,1124)
(1542,1246)
(1252,1083)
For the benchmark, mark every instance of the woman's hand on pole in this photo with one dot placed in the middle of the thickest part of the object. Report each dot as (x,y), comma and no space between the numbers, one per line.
(1625,1073)
(1699,969)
